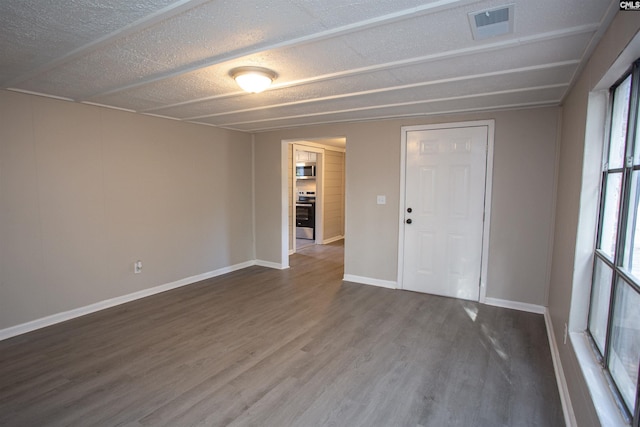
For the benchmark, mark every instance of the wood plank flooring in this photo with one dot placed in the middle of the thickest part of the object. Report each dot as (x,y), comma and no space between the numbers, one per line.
(299,347)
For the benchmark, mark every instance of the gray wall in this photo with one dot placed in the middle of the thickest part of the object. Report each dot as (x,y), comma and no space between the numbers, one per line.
(570,260)
(86,191)
(522,207)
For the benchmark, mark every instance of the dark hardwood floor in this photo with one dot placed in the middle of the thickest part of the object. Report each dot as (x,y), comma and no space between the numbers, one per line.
(261,347)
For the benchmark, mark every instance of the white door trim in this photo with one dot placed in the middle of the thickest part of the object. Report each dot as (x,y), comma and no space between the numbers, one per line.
(490,124)
(319,214)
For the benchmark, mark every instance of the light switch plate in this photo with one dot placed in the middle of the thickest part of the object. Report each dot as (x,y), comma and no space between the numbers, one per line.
(382,200)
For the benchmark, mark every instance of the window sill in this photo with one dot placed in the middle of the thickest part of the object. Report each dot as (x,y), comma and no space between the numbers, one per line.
(605,406)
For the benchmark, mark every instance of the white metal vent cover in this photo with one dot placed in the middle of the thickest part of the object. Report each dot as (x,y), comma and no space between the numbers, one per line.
(492,22)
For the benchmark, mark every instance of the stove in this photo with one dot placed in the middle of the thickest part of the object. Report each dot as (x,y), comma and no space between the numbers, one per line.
(306,197)
(305,215)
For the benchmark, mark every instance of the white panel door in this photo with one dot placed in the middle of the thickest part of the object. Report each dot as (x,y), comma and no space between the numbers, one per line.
(444,211)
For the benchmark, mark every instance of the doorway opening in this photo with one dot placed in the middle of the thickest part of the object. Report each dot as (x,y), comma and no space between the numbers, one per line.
(315,192)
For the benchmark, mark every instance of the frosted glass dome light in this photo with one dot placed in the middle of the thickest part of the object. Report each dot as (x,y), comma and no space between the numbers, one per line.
(253,79)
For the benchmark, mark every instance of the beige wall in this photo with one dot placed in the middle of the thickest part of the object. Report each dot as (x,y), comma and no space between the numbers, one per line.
(523,184)
(333,193)
(290,185)
(568,259)
(86,191)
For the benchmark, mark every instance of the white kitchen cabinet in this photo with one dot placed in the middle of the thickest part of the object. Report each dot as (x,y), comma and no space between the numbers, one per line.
(305,156)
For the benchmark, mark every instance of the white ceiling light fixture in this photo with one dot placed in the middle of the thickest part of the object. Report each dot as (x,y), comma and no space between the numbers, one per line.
(253,79)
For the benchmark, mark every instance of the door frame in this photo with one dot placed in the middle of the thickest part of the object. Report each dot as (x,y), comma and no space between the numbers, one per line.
(319,213)
(490,125)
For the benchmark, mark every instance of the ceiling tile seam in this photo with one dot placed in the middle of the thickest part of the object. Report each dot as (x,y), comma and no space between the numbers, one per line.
(161,116)
(137,26)
(112,107)
(45,95)
(403,104)
(394,88)
(210,125)
(524,105)
(582,29)
(204,99)
(219,127)
(591,46)
(297,41)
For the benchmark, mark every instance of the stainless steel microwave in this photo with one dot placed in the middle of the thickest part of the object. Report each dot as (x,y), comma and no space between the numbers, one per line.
(305,171)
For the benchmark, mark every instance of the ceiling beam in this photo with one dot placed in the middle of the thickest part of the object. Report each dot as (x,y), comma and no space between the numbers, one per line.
(394,88)
(537,104)
(595,39)
(424,9)
(402,104)
(505,44)
(132,28)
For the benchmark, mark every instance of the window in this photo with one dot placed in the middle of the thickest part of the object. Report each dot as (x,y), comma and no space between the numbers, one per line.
(614,310)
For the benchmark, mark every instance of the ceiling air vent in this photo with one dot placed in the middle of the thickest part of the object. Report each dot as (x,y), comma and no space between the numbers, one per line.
(491,22)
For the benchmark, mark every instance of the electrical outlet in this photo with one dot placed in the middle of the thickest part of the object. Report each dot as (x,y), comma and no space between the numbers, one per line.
(137,267)
(566,331)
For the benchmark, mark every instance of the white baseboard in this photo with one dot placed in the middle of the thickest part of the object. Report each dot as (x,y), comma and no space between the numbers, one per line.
(270,264)
(515,305)
(332,239)
(563,388)
(92,308)
(370,281)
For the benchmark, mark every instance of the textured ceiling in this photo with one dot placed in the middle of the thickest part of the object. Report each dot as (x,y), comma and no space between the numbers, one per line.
(336,60)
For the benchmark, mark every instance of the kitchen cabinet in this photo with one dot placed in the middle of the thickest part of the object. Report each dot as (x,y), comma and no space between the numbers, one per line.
(305,156)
